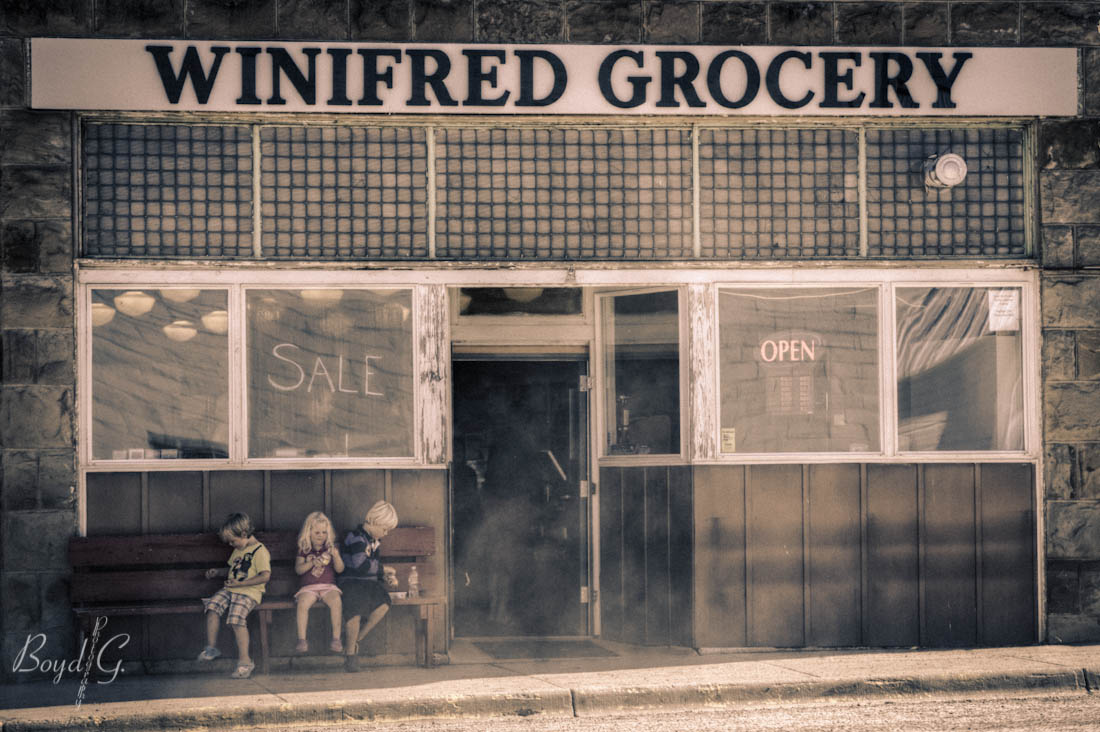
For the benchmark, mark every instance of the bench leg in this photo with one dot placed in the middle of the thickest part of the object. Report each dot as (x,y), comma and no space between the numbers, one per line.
(425,632)
(265,622)
(429,636)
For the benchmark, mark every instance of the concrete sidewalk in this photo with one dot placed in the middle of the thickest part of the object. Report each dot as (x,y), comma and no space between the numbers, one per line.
(474,684)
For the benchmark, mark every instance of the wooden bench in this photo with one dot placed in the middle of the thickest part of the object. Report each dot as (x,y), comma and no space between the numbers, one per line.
(163,574)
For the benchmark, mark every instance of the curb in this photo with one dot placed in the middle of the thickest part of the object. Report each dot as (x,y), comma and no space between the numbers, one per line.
(556,702)
(550,703)
(603,701)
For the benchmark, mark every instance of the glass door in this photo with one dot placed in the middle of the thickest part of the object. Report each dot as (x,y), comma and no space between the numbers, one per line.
(519,497)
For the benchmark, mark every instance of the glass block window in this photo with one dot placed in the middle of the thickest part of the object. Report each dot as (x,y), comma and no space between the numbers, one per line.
(563,194)
(982,216)
(162,191)
(344,192)
(778,194)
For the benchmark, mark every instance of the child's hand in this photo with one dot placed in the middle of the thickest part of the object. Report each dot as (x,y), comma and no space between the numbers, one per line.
(230,582)
(211,573)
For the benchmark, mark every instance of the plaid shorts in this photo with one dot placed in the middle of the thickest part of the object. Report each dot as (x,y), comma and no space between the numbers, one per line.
(239,605)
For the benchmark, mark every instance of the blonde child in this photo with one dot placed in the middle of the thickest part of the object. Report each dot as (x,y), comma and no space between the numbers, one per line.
(246,578)
(366,599)
(317,564)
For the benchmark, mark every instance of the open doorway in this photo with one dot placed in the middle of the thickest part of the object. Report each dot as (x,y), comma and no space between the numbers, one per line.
(520,539)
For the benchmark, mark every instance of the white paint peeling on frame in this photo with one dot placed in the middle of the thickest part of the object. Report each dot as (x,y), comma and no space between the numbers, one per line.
(433,372)
(703,423)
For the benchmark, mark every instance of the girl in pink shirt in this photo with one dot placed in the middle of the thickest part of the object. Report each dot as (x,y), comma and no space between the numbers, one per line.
(317,564)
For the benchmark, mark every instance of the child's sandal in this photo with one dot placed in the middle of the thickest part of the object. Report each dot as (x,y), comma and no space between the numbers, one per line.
(243,671)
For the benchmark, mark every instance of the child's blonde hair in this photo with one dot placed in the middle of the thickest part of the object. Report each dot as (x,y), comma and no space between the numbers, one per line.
(383,515)
(238,525)
(305,542)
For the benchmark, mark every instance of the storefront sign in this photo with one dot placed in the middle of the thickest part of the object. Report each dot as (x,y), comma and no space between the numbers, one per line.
(790,348)
(253,76)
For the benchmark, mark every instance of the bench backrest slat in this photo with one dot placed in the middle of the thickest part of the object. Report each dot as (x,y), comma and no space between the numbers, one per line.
(165,567)
(206,548)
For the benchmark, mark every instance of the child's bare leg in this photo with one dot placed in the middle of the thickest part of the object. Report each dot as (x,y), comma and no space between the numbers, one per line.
(240,634)
(212,619)
(335,610)
(305,602)
(372,620)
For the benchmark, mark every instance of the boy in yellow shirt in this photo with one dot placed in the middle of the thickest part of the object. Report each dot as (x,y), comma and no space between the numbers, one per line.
(246,578)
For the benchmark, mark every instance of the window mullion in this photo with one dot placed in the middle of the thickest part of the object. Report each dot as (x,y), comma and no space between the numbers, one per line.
(238,373)
(257,191)
(888,392)
(861,183)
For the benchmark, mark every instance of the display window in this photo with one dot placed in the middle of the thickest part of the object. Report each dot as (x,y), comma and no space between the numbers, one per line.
(641,357)
(959,369)
(160,374)
(799,369)
(330,373)
(878,366)
(249,373)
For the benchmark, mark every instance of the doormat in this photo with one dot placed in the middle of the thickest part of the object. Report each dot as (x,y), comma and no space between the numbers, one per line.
(538,648)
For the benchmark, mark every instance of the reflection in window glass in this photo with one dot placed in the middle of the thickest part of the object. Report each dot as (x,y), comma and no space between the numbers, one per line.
(799,370)
(160,366)
(642,361)
(519,301)
(960,377)
(330,373)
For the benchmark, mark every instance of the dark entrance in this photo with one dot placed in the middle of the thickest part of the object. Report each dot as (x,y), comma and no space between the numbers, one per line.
(520,521)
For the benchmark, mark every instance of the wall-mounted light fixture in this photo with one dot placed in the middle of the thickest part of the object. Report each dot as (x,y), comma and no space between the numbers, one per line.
(102,313)
(322,297)
(216,321)
(180,294)
(944,171)
(180,330)
(135,303)
(522,294)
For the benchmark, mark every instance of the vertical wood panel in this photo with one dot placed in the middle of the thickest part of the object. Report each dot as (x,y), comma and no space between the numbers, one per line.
(175,502)
(114,503)
(719,509)
(633,556)
(353,493)
(233,491)
(949,566)
(293,496)
(610,497)
(681,559)
(657,580)
(1008,555)
(834,556)
(775,566)
(891,605)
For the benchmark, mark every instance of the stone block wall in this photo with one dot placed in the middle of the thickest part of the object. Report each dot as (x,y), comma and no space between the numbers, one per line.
(37,367)
(37,506)
(1069,183)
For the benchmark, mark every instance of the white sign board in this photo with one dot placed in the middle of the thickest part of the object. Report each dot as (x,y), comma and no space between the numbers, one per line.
(347,77)
(1004,310)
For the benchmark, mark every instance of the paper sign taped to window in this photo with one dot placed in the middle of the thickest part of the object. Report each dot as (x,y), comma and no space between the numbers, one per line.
(1004,310)
(729,439)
